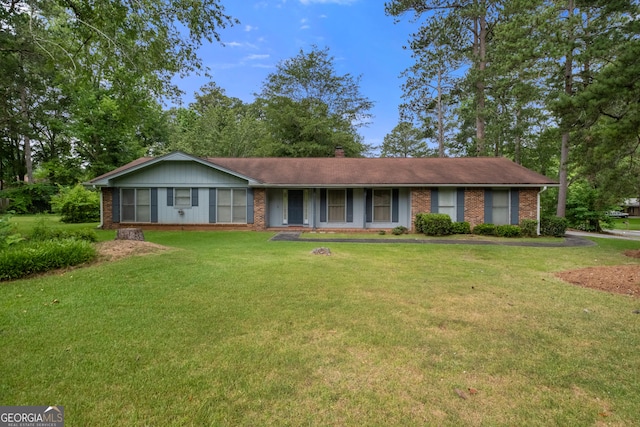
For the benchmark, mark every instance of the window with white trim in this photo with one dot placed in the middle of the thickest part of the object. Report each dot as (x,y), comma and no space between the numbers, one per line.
(232,205)
(336,205)
(382,205)
(135,205)
(447,202)
(500,208)
(182,197)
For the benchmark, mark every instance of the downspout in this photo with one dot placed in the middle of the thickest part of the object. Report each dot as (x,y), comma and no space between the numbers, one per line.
(538,208)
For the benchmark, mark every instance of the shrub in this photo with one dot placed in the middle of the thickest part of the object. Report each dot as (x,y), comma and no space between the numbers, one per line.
(553,226)
(529,227)
(461,228)
(8,236)
(433,224)
(382,232)
(401,229)
(30,198)
(43,232)
(37,257)
(485,229)
(507,230)
(77,205)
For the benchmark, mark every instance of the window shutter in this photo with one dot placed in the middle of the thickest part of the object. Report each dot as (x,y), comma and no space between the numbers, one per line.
(169,196)
(212,205)
(115,205)
(154,205)
(460,205)
(434,200)
(194,197)
(250,210)
(349,204)
(395,205)
(515,206)
(323,205)
(488,206)
(369,205)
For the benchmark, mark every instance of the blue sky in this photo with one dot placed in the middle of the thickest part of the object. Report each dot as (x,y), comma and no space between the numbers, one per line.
(363,41)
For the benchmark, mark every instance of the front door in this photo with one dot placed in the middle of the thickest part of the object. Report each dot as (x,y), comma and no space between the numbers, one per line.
(296,207)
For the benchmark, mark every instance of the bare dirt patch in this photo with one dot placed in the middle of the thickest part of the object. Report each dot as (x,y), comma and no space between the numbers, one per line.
(620,279)
(118,249)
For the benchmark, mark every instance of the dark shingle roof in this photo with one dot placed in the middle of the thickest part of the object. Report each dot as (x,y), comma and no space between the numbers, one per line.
(280,171)
(384,171)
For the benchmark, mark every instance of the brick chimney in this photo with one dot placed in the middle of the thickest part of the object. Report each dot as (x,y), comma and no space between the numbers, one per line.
(339,152)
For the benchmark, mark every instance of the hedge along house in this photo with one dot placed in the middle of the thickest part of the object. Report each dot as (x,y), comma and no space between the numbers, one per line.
(180,191)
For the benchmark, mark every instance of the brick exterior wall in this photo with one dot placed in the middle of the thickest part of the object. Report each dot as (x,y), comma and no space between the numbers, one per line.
(420,203)
(260,209)
(474,206)
(107,208)
(528,203)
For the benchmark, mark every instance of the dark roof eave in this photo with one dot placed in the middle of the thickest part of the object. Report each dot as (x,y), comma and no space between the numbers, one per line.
(399,185)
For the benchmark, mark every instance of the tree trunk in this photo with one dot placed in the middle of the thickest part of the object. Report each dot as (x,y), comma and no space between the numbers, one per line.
(130,234)
(440,116)
(27,141)
(564,151)
(481,58)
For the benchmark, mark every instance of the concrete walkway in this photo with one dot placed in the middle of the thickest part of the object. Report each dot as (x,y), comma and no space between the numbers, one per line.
(569,241)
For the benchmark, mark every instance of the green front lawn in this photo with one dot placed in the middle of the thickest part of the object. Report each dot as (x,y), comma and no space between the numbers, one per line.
(229,328)
(626,224)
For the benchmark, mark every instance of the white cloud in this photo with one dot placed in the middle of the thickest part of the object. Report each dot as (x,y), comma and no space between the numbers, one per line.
(240,45)
(305,27)
(250,28)
(254,57)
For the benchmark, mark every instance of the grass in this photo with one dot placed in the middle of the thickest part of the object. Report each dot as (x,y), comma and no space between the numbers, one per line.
(232,329)
(414,236)
(626,224)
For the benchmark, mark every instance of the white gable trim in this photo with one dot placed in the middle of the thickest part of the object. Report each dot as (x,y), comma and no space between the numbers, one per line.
(173,157)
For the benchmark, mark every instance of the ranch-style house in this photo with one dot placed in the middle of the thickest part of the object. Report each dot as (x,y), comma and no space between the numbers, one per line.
(181,191)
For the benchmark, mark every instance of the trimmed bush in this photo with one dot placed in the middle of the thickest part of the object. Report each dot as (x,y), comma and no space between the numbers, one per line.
(529,227)
(485,229)
(507,230)
(553,226)
(401,229)
(461,228)
(433,224)
(77,205)
(37,257)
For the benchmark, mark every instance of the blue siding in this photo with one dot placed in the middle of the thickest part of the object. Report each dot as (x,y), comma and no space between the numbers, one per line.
(180,174)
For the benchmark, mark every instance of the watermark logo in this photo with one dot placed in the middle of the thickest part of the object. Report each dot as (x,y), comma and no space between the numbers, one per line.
(31,416)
